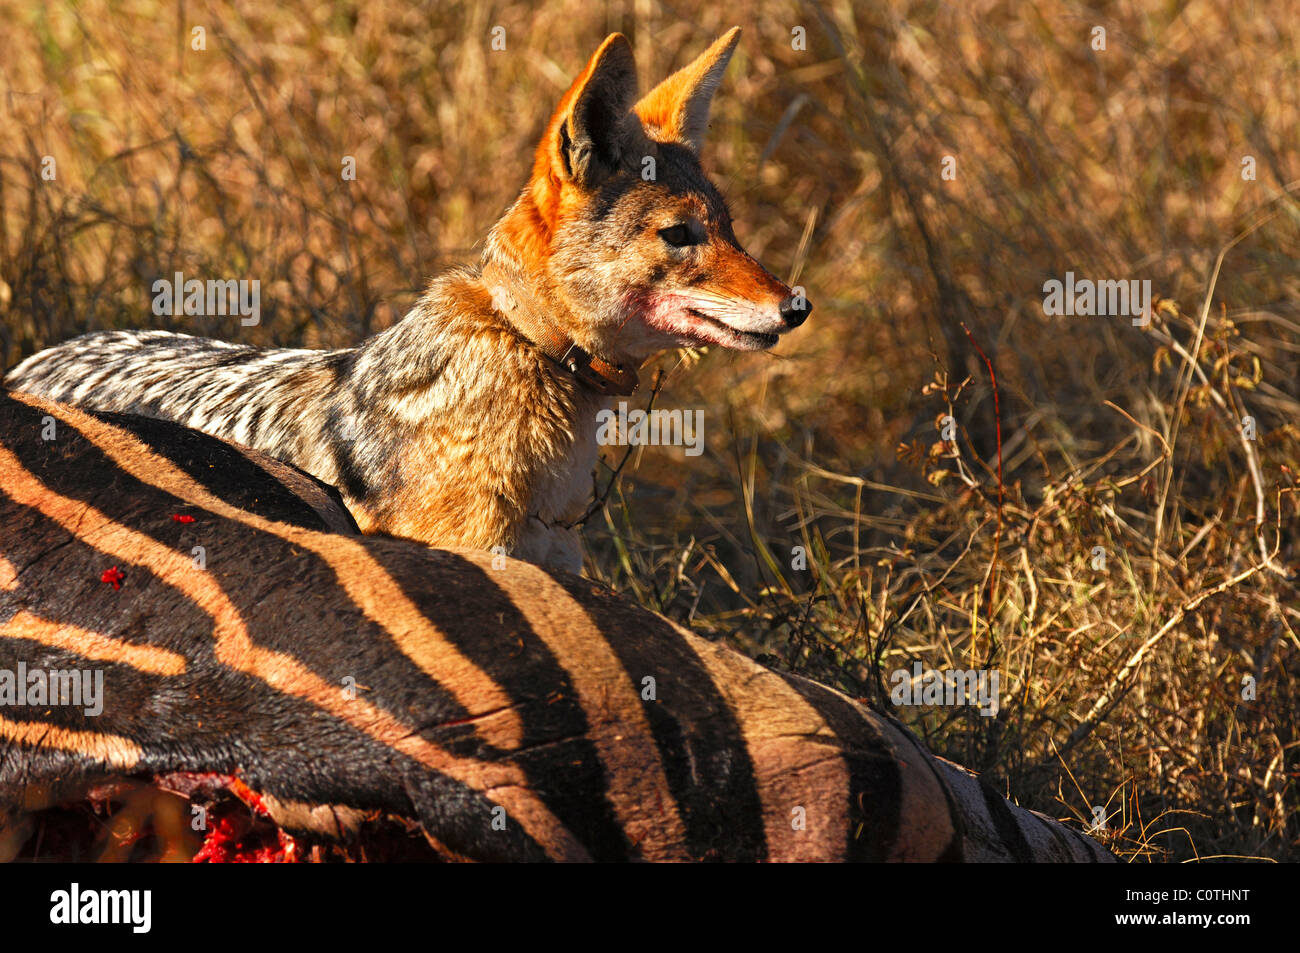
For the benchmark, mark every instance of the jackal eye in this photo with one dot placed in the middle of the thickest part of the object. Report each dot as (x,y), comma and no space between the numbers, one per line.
(679,236)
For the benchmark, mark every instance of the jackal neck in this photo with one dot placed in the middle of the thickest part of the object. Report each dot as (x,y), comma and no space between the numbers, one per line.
(532,314)
(465,436)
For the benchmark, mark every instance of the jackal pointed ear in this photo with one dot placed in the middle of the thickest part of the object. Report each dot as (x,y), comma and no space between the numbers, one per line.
(594,127)
(677,110)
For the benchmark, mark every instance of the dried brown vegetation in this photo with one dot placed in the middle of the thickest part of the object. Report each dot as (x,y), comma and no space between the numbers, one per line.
(1122,685)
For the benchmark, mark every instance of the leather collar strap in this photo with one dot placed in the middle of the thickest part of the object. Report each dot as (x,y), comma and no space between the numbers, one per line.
(514,301)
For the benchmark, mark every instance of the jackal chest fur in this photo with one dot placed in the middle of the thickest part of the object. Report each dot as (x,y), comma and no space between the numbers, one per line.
(550,535)
(474,459)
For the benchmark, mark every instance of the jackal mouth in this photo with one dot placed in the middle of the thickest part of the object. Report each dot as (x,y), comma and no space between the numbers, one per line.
(747,340)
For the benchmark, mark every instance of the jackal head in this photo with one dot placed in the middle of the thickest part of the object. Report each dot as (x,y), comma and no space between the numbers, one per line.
(623,228)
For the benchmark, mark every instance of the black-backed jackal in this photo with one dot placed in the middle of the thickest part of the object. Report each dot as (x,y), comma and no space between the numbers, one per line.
(473,421)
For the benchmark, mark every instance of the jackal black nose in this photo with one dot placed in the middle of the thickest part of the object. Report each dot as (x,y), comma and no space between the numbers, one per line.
(795,310)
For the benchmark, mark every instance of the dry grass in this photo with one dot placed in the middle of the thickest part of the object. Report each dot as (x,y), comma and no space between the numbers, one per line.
(1121,687)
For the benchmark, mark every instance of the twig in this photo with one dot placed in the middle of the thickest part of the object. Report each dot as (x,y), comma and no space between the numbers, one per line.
(598,503)
(1118,687)
(989,582)
(1252,457)
(1191,365)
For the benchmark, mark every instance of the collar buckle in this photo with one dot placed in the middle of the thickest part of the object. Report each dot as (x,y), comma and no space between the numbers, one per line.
(597,374)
